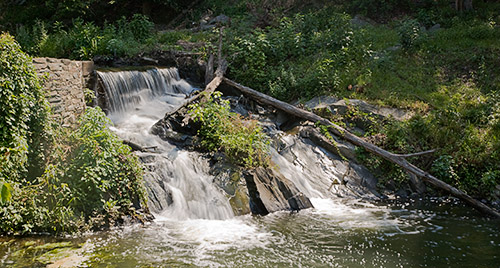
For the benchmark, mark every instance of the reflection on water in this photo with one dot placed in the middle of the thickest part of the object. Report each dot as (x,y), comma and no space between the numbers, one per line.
(334,234)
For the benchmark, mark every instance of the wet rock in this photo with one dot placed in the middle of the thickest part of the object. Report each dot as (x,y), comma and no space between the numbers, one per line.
(228,178)
(159,194)
(175,129)
(270,191)
(416,184)
(332,175)
(401,193)
(337,147)
(362,177)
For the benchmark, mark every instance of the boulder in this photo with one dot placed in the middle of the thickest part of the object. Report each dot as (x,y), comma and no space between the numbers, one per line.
(270,191)
(228,178)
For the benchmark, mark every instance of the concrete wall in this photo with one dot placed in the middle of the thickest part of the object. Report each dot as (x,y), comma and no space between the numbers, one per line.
(65,86)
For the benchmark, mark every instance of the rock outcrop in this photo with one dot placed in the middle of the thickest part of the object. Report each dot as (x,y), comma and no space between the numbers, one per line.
(270,191)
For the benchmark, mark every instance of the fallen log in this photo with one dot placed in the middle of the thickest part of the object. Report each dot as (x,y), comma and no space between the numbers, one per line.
(343,133)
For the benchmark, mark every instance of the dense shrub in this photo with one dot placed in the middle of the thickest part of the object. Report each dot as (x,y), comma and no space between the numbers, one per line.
(24,113)
(304,56)
(84,40)
(102,172)
(91,181)
(410,33)
(242,141)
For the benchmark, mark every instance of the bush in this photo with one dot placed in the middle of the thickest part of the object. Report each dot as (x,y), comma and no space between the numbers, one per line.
(304,56)
(24,113)
(410,34)
(32,38)
(92,181)
(242,141)
(102,172)
(84,40)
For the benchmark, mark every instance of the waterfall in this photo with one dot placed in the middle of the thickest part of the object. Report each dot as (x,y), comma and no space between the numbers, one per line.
(128,89)
(177,181)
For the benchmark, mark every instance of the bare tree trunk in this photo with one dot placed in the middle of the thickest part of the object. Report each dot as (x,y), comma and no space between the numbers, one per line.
(343,133)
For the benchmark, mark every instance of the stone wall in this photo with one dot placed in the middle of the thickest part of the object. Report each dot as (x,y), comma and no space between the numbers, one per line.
(65,83)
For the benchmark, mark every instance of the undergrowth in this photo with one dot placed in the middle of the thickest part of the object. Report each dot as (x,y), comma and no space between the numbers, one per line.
(241,140)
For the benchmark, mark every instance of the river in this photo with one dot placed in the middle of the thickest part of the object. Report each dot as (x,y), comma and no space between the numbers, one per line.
(195,226)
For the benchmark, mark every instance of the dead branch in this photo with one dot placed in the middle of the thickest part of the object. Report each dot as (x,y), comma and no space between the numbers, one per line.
(417,154)
(343,133)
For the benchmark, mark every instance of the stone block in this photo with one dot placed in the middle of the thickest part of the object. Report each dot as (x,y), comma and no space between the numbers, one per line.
(55,99)
(55,67)
(39,60)
(87,67)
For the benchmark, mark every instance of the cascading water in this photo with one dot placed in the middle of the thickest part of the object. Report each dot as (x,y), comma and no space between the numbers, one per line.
(195,225)
(177,181)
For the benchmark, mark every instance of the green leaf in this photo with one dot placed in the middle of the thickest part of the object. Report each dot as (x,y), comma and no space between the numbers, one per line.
(5,192)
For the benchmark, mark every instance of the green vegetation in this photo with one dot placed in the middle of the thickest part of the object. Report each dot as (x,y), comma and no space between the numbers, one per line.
(304,56)
(242,141)
(52,180)
(448,75)
(24,114)
(85,40)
